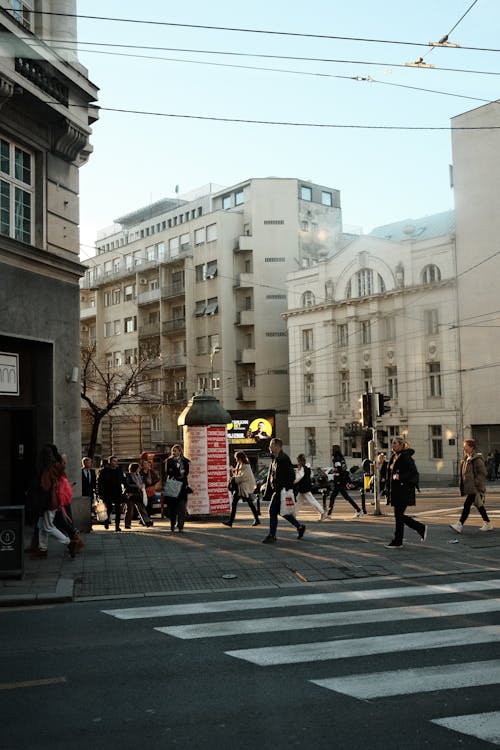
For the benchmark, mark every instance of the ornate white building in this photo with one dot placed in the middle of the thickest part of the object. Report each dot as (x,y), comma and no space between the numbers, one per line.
(378,312)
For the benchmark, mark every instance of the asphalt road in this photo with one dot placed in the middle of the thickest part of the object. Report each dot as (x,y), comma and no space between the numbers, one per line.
(358,664)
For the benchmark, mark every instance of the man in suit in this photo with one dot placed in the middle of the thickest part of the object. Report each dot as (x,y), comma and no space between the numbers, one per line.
(281,476)
(89,482)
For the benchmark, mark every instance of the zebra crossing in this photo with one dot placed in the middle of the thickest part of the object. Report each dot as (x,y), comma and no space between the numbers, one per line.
(468,601)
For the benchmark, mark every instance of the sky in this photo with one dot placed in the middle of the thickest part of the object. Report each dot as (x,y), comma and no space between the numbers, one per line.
(383,155)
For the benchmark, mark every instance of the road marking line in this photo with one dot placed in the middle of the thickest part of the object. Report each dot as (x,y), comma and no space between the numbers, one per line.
(31,683)
(483,726)
(328,619)
(300,600)
(409,681)
(299,653)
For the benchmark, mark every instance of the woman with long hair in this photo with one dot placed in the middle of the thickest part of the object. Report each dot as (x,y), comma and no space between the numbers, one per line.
(177,467)
(402,481)
(242,485)
(472,485)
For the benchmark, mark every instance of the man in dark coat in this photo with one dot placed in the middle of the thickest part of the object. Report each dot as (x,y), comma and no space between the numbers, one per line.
(281,476)
(110,486)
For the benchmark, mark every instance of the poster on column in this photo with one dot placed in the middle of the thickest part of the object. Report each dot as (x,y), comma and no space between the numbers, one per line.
(206,448)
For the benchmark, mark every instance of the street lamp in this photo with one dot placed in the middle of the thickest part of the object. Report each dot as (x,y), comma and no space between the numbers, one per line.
(215,350)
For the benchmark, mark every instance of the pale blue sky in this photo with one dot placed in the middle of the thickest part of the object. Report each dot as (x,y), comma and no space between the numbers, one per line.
(383,176)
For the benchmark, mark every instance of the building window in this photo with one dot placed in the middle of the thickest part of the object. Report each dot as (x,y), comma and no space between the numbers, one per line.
(213,342)
(199,236)
(130,356)
(239,198)
(116,296)
(304,226)
(367,380)
(326,198)
(436,440)
(16,192)
(130,324)
(160,250)
(212,306)
(366,332)
(431,274)
(308,299)
(173,247)
(310,435)
(211,232)
(107,299)
(21,10)
(117,327)
(305,193)
(391,375)
(116,265)
(200,272)
(202,382)
(211,272)
(307,340)
(226,202)
(309,388)
(344,387)
(155,423)
(390,328)
(431,322)
(151,253)
(117,359)
(434,375)
(215,381)
(342,335)
(108,329)
(129,263)
(364,281)
(201,345)
(200,308)
(129,292)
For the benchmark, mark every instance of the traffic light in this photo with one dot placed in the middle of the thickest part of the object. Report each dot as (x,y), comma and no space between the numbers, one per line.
(382,405)
(366,410)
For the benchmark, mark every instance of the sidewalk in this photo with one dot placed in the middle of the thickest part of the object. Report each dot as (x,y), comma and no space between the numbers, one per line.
(211,557)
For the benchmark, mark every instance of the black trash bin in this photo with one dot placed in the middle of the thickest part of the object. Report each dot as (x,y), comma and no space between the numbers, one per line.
(11,541)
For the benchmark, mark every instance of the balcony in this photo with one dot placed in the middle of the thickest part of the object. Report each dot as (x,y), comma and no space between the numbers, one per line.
(150,329)
(146,298)
(247,393)
(244,281)
(246,356)
(175,289)
(245,318)
(174,326)
(87,312)
(175,397)
(244,243)
(174,360)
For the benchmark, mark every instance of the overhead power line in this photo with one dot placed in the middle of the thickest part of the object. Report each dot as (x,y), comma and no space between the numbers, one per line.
(303,35)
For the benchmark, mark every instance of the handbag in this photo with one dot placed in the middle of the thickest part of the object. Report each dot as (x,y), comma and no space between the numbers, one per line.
(151,490)
(287,504)
(101,511)
(172,487)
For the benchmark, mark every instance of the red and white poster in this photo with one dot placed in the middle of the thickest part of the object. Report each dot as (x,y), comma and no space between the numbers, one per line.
(206,448)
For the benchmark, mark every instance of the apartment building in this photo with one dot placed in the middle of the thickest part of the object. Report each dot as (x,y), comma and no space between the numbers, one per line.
(476,170)
(46,109)
(378,313)
(197,287)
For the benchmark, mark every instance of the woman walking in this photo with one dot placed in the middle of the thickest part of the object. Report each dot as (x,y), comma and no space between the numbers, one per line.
(136,496)
(242,485)
(177,467)
(302,485)
(341,482)
(472,485)
(402,479)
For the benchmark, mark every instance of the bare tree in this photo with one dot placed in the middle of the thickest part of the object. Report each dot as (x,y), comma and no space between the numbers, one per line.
(103,388)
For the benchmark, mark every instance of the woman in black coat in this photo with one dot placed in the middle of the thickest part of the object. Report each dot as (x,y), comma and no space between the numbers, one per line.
(177,467)
(402,481)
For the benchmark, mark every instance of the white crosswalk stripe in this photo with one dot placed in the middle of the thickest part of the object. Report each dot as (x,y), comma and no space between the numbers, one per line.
(471,598)
(340,597)
(329,619)
(422,680)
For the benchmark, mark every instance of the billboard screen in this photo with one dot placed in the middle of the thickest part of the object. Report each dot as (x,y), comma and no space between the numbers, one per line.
(251,429)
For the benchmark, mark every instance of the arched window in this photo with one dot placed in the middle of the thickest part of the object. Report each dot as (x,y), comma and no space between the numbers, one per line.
(308,299)
(364,282)
(431,274)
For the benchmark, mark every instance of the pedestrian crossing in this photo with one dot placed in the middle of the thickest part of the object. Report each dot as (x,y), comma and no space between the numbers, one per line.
(469,605)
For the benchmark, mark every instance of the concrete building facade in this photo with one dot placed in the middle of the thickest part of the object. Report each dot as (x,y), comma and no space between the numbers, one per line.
(46,109)
(476,180)
(197,287)
(378,312)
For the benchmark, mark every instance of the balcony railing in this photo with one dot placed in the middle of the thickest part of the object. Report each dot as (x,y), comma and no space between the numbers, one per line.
(245,318)
(87,312)
(175,289)
(174,360)
(150,329)
(175,397)
(146,298)
(244,280)
(171,326)
(247,393)
(243,243)
(246,356)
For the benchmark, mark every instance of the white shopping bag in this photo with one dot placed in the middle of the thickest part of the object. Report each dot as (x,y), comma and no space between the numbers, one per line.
(287,505)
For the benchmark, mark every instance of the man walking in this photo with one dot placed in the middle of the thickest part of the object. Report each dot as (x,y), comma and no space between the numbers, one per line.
(281,476)
(89,481)
(110,486)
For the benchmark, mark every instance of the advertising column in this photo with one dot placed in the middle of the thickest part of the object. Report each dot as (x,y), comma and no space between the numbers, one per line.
(206,448)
